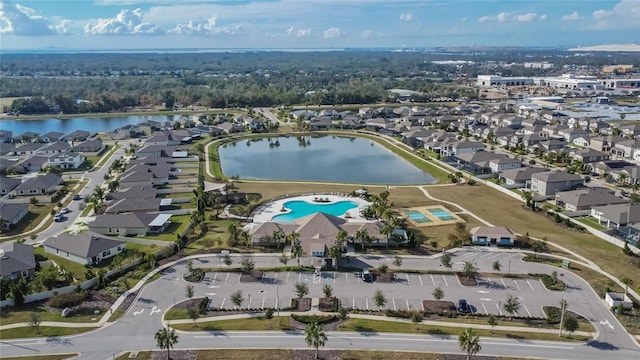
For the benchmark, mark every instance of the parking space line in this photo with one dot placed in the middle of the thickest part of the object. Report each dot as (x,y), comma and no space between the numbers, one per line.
(394,304)
(408,281)
(346,277)
(366,301)
(499,310)
(262,307)
(222,305)
(354,303)
(485,309)
(432,280)
(504,284)
(422,305)
(525,307)
(530,285)
(512,255)
(445,281)
(517,284)
(495,256)
(215,276)
(420,278)
(287,280)
(334,277)
(408,307)
(227,278)
(299,276)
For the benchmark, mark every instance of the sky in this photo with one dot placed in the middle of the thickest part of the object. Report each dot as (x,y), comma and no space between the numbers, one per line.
(166,24)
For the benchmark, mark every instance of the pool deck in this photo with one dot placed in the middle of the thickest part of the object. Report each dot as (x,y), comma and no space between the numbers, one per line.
(268,211)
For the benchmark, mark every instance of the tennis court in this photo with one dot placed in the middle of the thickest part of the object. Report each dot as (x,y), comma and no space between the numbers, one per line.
(430,216)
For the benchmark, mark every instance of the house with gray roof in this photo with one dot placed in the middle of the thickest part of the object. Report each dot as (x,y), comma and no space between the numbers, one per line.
(51,136)
(139,192)
(615,216)
(39,185)
(89,145)
(5,135)
(30,148)
(589,155)
(587,198)
(16,260)
(77,136)
(520,177)
(8,184)
(33,164)
(552,182)
(136,205)
(55,147)
(130,224)
(11,214)
(604,143)
(86,248)
(7,148)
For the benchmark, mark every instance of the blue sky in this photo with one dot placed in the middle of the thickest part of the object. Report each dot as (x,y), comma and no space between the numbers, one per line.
(131,24)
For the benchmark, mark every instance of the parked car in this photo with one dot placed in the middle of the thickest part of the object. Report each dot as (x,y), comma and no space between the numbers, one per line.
(58,217)
(77,197)
(366,276)
(463,306)
(65,211)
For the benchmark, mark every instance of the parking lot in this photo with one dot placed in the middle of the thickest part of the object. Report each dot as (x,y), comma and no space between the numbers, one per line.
(407,293)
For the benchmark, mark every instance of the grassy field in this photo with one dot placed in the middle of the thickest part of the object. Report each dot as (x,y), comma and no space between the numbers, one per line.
(45,331)
(503,210)
(177,226)
(364,325)
(589,221)
(14,315)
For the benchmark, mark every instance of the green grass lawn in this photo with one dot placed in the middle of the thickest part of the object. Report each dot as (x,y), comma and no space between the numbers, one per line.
(45,331)
(178,224)
(36,214)
(277,323)
(78,270)
(176,195)
(589,221)
(14,315)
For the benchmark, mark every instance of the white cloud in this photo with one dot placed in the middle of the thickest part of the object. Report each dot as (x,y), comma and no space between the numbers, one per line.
(504,17)
(572,17)
(408,16)
(127,22)
(63,27)
(21,20)
(299,33)
(333,33)
(624,15)
(201,27)
(543,17)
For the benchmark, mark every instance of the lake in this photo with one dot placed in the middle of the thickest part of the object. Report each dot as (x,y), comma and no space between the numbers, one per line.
(91,124)
(324,158)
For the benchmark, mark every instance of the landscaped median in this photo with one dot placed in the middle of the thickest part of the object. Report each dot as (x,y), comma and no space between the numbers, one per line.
(372,323)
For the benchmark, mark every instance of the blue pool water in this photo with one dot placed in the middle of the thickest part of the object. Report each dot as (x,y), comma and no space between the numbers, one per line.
(300,208)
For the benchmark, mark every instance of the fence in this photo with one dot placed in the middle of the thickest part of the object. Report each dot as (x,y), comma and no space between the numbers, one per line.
(502,190)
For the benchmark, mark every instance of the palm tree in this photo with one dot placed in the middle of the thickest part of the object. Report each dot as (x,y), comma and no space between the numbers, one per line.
(297,253)
(335,251)
(469,269)
(277,236)
(622,178)
(314,336)
(528,198)
(469,342)
(166,338)
(512,305)
(341,238)
(362,235)
(99,194)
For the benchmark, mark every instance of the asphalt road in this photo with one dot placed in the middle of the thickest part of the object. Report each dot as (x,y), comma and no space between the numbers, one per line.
(134,331)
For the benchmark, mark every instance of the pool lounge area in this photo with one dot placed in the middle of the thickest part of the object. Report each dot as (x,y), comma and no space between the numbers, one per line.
(430,216)
(340,205)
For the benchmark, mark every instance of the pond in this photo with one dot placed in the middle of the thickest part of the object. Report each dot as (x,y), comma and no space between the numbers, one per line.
(91,124)
(318,158)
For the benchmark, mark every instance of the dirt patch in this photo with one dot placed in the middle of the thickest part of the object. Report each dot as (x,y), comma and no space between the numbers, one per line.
(188,304)
(436,306)
(464,281)
(303,304)
(253,276)
(175,355)
(386,277)
(328,304)
(299,354)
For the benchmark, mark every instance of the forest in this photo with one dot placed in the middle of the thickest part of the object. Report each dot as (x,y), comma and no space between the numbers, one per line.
(106,82)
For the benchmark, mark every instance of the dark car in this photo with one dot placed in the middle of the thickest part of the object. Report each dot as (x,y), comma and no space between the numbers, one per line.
(366,276)
(463,306)
(76,197)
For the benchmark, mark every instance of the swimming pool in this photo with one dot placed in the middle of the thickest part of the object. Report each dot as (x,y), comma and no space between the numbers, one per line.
(300,208)
(416,216)
(441,214)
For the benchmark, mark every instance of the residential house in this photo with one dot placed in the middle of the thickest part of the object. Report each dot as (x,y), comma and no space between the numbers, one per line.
(571,134)
(9,165)
(5,136)
(628,149)
(130,224)
(11,214)
(154,151)
(137,205)
(39,185)
(30,148)
(8,184)
(599,127)
(615,216)
(604,143)
(463,146)
(89,145)
(587,198)
(553,131)
(229,127)
(520,177)
(588,156)
(84,248)
(141,192)
(552,145)
(610,166)
(492,235)
(7,148)
(55,147)
(51,136)
(502,164)
(68,160)
(320,123)
(33,164)
(552,182)
(632,130)
(76,136)
(582,141)
(17,260)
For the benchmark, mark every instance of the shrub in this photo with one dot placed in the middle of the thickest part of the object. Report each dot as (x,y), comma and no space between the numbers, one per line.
(551,282)
(194,276)
(203,305)
(268,313)
(307,319)
(61,301)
